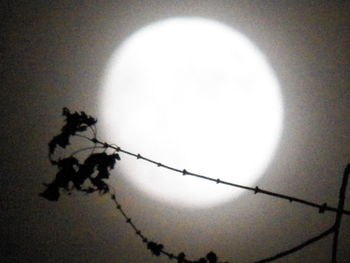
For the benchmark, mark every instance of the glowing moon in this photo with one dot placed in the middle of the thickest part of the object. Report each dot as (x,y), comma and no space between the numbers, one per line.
(197,95)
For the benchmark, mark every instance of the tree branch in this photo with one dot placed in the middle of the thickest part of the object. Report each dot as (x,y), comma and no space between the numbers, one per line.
(299,247)
(78,122)
(321,207)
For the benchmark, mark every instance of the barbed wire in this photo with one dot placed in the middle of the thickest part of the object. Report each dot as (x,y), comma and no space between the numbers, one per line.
(78,122)
(257,190)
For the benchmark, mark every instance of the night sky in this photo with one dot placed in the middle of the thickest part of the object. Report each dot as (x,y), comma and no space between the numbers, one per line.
(53,54)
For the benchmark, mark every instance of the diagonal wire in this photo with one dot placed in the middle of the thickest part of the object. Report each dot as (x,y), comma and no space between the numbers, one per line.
(299,247)
(321,207)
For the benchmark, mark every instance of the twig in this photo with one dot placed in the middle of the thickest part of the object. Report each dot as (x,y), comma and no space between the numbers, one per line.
(144,239)
(299,247)
(269,259)
(157,249)
(340,212)
(83,136)
(321,207)
(86,149)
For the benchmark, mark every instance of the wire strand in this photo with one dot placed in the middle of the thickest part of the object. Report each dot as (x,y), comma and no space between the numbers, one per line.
(257,190)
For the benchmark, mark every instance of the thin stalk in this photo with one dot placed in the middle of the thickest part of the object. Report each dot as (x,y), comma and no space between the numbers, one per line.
(340,212)
(257,190)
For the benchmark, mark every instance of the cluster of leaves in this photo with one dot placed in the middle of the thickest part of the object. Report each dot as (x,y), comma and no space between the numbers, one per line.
(75,122)
(89,176)
(72,174)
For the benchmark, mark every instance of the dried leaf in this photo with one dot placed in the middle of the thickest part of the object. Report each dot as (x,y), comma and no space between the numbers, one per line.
(155,248)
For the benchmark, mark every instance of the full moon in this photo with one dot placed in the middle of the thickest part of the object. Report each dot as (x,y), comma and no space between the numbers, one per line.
(194,94)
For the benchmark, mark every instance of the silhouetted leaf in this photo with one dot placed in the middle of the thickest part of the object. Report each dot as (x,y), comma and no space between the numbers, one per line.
(66,173)
(61,140)
(101,186)
(181,257)
(100,162)
(75,122)
(201,260)
(155,248)
(89,190)
(211,256)
(51,193)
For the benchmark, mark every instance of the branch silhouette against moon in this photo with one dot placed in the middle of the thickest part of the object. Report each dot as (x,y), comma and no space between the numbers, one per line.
(91,176)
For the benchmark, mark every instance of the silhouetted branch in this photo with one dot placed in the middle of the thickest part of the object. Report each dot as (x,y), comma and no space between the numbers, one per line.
(96,168)
(156,248)
(299,247)
(321,208)
(172,256)
(340,212)
(86,149)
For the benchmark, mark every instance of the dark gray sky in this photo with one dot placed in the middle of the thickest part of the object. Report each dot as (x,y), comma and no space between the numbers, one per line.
(53,54)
